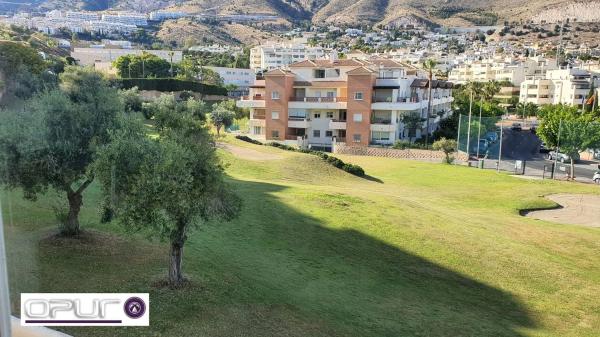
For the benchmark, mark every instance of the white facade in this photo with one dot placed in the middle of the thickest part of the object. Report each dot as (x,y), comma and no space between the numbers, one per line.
(501,70)
(269,57)
(566,86)
(240,77)
(135,19)
(166,15)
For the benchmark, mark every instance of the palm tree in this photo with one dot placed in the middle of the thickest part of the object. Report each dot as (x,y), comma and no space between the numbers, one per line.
(429,65)
(490,89)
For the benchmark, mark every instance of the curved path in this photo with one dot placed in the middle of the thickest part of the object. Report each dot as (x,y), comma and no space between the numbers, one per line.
(246,153)
(577,209)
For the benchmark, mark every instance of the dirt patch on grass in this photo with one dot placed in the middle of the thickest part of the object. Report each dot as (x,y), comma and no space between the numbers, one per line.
(575,209)
(246,153)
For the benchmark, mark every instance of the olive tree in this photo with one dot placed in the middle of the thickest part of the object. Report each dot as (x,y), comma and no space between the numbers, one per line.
(448,146)
(53,141)
(221,116)
(167,185)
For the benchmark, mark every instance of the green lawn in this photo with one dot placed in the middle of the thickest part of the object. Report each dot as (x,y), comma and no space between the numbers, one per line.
(428,250)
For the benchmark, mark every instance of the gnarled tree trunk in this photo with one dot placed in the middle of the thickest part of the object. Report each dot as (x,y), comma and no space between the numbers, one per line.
(71,225)
(178,238)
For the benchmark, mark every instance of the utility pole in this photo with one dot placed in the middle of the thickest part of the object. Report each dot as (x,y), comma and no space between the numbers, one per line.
(458,134)
(469,127)
(479,127)
(501,139)
(560,41)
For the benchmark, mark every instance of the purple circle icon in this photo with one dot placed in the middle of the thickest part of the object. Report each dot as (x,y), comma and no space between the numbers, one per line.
(134,307)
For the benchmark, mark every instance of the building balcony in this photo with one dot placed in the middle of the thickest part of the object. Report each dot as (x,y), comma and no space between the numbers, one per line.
(335,124)
(257,122)
(298,122)
(317,102)
(256,101)
(383,127)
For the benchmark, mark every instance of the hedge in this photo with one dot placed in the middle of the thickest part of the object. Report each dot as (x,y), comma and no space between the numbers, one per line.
(336,162)
(170,84)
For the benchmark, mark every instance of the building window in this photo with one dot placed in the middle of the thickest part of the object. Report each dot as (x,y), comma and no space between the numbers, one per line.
(274,114)
(358,96)
(380,135)
(329,114)
(319,73)
(317,115)
(357,118)
(257,130)
(328,133)
(274,94)
(275,134)
(317,133)
(356,137)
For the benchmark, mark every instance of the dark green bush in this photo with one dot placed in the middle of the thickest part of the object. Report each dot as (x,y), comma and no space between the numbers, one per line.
(170,84)
(248,139)
(354,169)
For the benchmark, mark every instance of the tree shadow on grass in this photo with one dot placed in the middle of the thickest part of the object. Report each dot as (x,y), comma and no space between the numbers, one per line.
(355,281)
(278,271)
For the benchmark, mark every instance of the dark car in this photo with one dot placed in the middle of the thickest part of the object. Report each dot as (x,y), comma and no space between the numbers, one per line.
(516,127)
(543,148)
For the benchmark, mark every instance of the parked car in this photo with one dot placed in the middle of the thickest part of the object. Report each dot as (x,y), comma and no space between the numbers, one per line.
(483,147)
(562,157)
(491,136)
(543,148)
(516,127)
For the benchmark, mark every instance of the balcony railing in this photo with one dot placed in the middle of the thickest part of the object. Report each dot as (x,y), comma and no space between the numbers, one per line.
(390,99)
(318,99)
(381,121)
(298,118)
(339,120)
(257,116)
(253,98)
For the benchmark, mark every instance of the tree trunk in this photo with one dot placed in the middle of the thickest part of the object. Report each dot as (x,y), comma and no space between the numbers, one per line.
(218,126)
(177,241)
(572,174)
(71,225)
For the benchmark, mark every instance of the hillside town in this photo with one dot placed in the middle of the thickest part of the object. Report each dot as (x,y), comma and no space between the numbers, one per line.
(274,168)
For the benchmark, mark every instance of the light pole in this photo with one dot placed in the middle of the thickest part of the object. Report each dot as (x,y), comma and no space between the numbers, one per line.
(557,149)
(501,139)
(469,127)
(479,126)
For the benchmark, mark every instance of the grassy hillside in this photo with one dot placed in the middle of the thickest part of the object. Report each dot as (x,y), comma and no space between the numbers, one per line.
(417,250)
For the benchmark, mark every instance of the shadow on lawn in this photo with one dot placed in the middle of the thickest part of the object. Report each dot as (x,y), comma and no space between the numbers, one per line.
(349,278)
(314,281)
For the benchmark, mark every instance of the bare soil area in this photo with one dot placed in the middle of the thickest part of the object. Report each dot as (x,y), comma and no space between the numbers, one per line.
(577,209)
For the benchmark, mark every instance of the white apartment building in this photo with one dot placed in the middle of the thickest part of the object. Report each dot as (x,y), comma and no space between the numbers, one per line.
(273,56)
(566,86)
(126,18)
(242,78)
(86,16)
(501,70)
(166,15)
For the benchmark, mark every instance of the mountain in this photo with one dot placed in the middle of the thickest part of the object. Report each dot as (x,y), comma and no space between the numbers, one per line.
(444,12)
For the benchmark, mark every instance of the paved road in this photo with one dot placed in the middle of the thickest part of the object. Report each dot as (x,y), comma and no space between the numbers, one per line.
(524,145)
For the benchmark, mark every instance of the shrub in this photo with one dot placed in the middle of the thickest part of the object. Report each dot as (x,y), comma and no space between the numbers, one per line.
(354,169)
(248,139)
(170,84)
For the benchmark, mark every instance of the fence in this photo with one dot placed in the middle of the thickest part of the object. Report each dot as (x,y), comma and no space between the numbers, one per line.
(416,154)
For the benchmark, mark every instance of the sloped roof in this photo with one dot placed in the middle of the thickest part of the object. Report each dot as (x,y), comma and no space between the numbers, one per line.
(327,63)
(277,72)
(361,71)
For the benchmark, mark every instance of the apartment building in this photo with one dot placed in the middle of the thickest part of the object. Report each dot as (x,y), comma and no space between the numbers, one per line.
(314,103)
(126,18)
(240,77)
(501,70)
(566,86)
(273,56)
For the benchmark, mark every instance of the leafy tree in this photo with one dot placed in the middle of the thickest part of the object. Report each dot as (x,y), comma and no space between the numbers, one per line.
(53,141)
(166,105)
(527,109)
(412,122)
(222,116)
(166,186)
(132,101)
(568,129)
(448,146)
(142,66)
(490,89)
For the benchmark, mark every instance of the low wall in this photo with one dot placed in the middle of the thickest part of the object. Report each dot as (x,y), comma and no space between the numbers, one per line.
(394,153)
